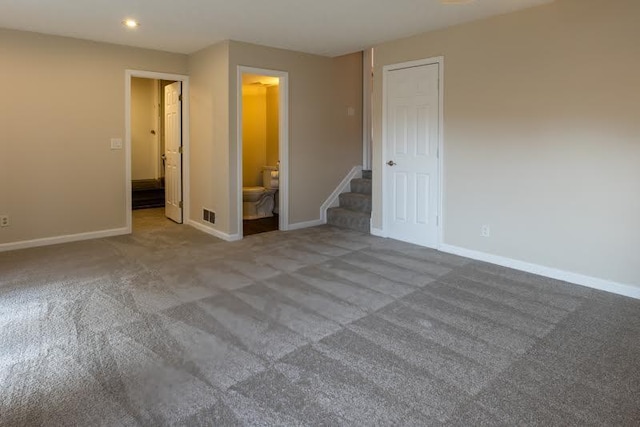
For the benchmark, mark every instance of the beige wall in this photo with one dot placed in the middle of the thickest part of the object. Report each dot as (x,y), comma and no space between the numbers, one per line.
(324,143)
(209,133)
(254,134)
(144,144)
(541,134)
(62,100)
(273,123)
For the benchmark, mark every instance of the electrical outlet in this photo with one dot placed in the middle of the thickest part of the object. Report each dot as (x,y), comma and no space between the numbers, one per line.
(4,221)
(485,231)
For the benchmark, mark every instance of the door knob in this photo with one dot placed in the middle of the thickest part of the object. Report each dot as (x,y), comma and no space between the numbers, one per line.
(391,163)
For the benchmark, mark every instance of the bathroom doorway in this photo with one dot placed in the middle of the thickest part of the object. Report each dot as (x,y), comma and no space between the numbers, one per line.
(262,133)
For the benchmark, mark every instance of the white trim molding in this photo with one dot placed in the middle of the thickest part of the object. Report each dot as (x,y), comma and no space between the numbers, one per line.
(129,74)
(378,232)
(367,89)
(553,273)
(307,224)
(344,187)
(47,241)
(213,232)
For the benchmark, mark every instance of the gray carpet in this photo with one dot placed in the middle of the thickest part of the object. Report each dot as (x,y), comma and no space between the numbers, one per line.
(312,327)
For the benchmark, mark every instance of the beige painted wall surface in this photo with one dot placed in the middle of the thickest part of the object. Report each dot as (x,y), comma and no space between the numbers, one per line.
(144,148)
(273,123)
(324,143)
(209,133)
(62,101)
(254,134)
(542,134)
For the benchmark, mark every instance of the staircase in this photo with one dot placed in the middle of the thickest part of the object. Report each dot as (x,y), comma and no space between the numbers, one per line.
(354,211)
(147,193)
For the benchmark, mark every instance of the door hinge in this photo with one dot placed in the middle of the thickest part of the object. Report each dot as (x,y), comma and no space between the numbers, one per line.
(180,204)
(180,97)
(180,149)
(437,220)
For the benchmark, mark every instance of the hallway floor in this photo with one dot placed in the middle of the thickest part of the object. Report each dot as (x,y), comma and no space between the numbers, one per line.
(262,225)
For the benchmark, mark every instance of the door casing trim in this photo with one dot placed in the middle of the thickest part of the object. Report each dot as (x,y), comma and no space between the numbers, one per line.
(129,74)
(283,143)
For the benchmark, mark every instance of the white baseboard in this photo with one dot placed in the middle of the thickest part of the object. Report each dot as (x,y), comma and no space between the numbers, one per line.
(63,239)
(306,224)
(213,232)
(379,232)
(343,187)
(553,273)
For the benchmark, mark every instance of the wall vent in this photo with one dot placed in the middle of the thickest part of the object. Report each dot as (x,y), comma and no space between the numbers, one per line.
(209,216)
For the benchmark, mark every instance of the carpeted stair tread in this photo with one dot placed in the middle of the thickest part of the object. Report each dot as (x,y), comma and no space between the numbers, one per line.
(366,174)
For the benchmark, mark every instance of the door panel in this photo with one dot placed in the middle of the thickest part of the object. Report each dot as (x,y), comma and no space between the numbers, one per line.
(173,143)
(400,197)
(411,180)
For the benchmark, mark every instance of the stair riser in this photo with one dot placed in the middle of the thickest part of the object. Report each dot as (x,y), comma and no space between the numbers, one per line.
(362,186)
(151,198)
(358,204)
(366,174)
(352,222)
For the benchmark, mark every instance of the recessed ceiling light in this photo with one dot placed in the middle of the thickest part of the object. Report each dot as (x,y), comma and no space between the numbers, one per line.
(130,23)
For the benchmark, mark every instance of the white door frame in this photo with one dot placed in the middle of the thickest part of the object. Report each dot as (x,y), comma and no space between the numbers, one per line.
(129,74)
(283,143)
(367,79)
(385,72)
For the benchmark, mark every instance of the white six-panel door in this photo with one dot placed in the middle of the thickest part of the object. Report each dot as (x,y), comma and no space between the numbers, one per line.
(411,154)
(173,142)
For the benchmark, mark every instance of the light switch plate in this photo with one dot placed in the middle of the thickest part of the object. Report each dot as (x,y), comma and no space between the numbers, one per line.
(116,143)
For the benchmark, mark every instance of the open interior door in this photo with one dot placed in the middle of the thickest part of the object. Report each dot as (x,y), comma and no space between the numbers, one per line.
(173,151)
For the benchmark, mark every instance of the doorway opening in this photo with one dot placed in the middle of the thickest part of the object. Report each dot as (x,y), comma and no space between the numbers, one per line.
(262,150)
(148,158)
(156,144)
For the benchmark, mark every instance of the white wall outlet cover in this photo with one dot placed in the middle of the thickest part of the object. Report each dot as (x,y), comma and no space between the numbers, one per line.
(116,143)
(485,231)
(351,111)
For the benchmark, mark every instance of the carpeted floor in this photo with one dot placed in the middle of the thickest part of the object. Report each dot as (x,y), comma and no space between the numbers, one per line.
(320,326)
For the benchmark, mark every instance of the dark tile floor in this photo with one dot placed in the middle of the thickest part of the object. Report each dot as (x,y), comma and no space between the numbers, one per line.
(262,225)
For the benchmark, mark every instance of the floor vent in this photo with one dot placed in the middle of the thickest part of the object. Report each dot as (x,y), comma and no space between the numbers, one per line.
(209,216)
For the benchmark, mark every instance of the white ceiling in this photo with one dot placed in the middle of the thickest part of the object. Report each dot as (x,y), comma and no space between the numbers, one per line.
(325,27)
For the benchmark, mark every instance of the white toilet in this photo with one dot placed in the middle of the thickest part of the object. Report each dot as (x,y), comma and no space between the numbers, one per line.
(259,202)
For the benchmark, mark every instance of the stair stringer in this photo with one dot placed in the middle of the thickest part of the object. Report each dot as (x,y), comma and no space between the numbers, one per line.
(344,187)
